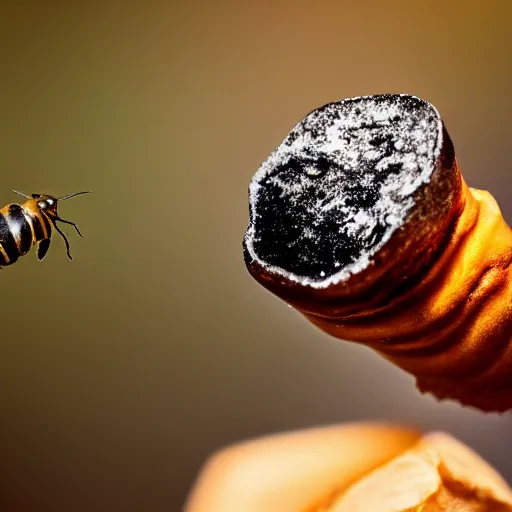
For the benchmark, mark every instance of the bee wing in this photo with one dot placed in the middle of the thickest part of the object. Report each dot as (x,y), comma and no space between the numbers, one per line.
(42,248)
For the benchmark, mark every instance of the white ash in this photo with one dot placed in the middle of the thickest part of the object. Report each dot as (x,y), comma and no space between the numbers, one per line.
(338,187)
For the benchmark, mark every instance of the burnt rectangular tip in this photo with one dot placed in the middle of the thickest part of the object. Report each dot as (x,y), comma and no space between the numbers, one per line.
(342,183)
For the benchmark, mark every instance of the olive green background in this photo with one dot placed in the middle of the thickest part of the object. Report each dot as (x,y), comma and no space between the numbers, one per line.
(121,371)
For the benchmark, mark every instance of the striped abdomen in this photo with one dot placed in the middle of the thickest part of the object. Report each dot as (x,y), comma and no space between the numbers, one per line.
(20,229)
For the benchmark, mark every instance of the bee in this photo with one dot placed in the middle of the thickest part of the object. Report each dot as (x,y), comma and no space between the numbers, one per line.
(31,224)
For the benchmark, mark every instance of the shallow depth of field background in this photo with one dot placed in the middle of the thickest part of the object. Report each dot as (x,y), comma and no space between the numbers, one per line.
(121,371)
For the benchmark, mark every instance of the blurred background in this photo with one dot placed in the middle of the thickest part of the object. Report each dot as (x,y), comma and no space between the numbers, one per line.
(123,370)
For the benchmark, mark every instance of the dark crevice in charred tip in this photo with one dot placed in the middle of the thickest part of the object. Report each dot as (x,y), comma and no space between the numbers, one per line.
(448,151)
(341,183)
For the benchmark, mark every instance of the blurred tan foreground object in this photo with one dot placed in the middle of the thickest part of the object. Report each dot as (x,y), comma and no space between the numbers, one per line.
(437,474)
(362,221)
(354,467)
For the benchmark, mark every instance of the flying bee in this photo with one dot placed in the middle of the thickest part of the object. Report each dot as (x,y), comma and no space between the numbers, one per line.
(30,224)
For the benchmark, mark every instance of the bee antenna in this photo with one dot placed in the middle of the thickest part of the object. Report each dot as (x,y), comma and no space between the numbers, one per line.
(73,195)
(21,194)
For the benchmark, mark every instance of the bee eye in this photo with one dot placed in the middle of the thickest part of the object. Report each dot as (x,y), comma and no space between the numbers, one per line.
(42,205)
(50,201)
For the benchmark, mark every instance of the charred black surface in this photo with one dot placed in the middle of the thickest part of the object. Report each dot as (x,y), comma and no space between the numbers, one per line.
(341,183)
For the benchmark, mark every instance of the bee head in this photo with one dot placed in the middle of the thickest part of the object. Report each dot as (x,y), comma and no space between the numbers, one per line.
(47,204)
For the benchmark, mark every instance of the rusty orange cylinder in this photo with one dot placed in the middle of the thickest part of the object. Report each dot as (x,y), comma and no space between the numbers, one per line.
(416,265)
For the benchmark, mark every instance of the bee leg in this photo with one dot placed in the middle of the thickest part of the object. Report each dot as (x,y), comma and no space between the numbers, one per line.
(71,223)
(42,248)
(65,240)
